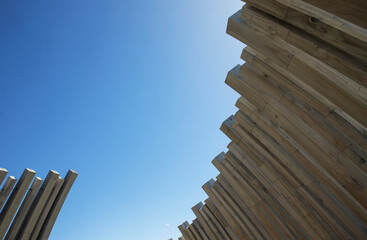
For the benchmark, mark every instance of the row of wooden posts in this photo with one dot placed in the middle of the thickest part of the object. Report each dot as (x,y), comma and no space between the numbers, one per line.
(29,207)
(296,164)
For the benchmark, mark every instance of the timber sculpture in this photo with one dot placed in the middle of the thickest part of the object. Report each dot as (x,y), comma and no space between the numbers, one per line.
(30,206)
(296,165)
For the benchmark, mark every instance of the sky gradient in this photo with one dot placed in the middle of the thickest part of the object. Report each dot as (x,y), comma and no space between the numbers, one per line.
(130,94)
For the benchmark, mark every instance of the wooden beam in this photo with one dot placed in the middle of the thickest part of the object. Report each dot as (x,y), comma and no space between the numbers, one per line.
(15,227)
(6,190)
(37,205)
(15,199)
(57,205)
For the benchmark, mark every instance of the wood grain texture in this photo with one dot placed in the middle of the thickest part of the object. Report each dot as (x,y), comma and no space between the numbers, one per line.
(296,166)
(31,209)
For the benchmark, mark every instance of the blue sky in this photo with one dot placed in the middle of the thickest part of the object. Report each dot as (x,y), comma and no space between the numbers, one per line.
(130,94)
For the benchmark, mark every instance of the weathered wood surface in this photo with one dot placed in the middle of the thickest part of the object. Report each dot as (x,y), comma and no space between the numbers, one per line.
(296,167)
(30,210)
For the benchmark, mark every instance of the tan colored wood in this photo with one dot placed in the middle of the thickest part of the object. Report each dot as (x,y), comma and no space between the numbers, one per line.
(200,229)
(354,11)
(296,165)
(3,173)
(315,72)
(328,18)
(323,106)
(190,232)
(272,7)
(196,231)
(183,229)
(37,205)
(216,231)
(242,233)
(221,219)
(57,205)
(216,222)
(205,225)
(290,190)
(15,227)
(6,190)
(310,163)
(15,199)
(46,209)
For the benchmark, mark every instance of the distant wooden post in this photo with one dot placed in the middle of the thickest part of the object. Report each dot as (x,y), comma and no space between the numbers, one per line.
(31,215)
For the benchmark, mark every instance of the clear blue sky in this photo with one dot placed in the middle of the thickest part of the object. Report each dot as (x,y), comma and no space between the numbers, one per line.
(130,94)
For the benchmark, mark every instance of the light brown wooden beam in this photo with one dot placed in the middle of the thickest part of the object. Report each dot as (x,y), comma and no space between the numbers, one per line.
(301,94)
(183,229)
(15,199)
(205,225)
(15,227)
(304,158)
(298,64)
(220,218)
(326,158)
(37,205)
(46,209)
(6,189)
(57,205)
(3,173)
(242,233)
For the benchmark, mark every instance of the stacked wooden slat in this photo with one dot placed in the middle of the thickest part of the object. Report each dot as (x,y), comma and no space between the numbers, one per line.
(296,165)
(29,207)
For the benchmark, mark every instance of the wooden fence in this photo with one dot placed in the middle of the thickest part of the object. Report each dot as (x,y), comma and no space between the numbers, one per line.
(296,164)
(30,206)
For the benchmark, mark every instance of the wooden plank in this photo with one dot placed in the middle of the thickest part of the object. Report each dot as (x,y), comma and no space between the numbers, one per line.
(6,190)
(37,205)
(3,173)
(297,88)
(23,210)
(328,18)
(348,174)
(257,227)
(312,25)
(243,86)
(248,55)
(325,32)
(264,95)
(294,209)
(240,29)
(347,69)
(57,205)
(354,11)
(220,218)
(325,74)
(183,229)
(334,93)
(256,210)
(299,100)
(330,203)
(199,229)
(342,215)
(46,209)
(216,222)
(207,228)
(15,199)
(211,223)
(326,152)
(272,7)
(307,160)
(242,233)
(269,193)
(290,191)
(190,231)
(195,231)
